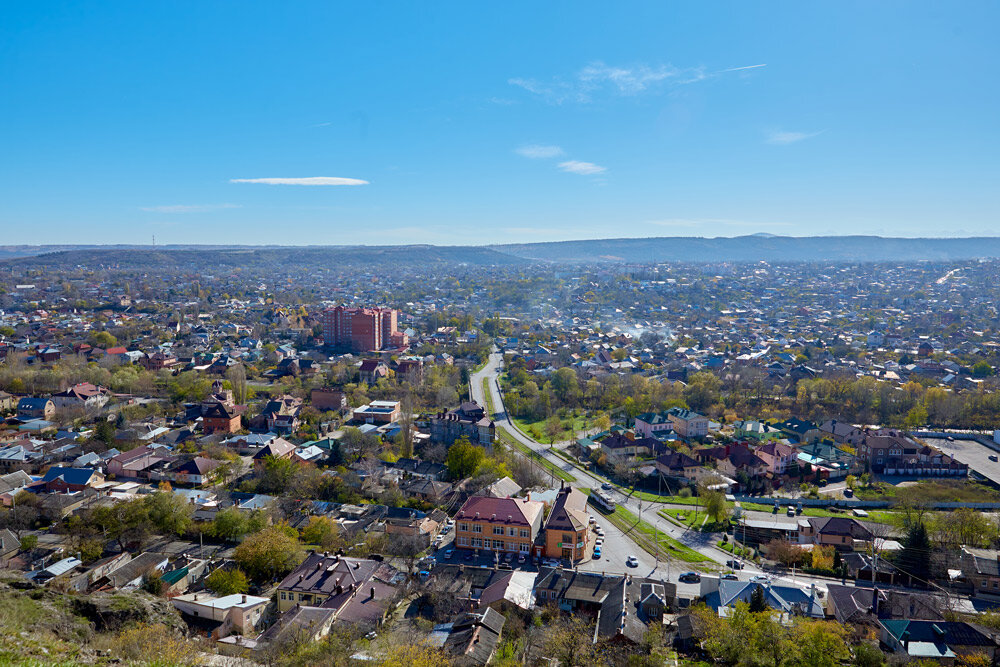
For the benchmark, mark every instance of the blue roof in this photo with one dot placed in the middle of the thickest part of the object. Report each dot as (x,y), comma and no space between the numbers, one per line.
(69,475)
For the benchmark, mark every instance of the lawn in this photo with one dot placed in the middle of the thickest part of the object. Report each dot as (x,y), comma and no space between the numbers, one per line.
(545,464)
(932,491)
(571,427)
(694,519)
(647,537)
(489,397)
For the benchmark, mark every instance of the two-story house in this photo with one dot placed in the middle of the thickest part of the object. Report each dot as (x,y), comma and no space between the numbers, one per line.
(498,524)
(778,456)
(688,423)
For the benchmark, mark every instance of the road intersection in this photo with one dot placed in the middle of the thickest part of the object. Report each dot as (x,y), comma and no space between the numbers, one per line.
(617,545)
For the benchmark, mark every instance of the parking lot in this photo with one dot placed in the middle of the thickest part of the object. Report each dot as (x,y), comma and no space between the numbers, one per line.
(972,453)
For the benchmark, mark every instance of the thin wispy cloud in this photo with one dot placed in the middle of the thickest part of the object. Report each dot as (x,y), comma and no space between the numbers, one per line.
(599,78)
(582,168)
(626,80)
(187,208)
(310,180)
(538,152)
(783,138)
(741,69)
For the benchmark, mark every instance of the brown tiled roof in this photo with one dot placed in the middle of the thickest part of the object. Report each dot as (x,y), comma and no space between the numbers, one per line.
(516,511)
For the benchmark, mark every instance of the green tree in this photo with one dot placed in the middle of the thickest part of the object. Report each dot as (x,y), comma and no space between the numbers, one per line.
(169,513)
(982,369)
(102,339)
(702,391)
(914,558)
(271,553)
(716,506)
(276,475)
(323,531)
(917,416)
(464,458)
(224,581)
(758,604)
(230,524)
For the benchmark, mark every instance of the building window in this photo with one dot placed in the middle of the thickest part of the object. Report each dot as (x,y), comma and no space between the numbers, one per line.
(477,528)
(282,595)
(498,530)
(498,545)
(463,527)
(463,541)
(477,542)
(525,547)
(512,532)
(524,533)
(567,538)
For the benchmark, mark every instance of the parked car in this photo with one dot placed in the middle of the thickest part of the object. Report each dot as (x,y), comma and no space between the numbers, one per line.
(760,579)
(734,564)
(632,561)
(729,576)
(993,457)
(468,556)
(790,511)
(606,486)
(520,558)
(599,531)
(690,577)
(449,553)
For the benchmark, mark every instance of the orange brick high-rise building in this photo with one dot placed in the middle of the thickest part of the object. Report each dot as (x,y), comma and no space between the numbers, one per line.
(361,329)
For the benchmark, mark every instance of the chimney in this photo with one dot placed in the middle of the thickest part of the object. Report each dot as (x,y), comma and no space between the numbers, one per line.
(372,592)
(875,601)
(244,601)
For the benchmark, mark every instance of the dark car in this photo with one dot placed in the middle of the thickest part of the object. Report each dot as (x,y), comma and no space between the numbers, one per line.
(690,577)
(734,564)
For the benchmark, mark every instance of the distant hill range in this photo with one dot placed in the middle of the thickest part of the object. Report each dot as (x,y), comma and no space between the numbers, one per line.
(758,247)
(198,258)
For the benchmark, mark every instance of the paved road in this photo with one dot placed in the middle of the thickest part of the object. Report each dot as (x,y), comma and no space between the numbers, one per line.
(618,545)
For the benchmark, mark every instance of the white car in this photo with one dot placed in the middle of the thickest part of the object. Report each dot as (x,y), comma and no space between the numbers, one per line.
(599,531)
(599,542)
(632,561)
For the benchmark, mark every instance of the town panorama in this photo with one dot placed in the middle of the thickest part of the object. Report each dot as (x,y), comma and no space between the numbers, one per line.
(513,455)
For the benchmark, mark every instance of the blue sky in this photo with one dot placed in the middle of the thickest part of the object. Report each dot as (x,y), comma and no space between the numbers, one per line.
(480,123)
